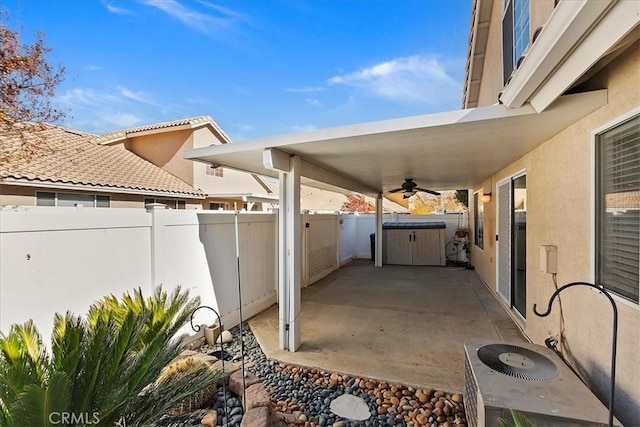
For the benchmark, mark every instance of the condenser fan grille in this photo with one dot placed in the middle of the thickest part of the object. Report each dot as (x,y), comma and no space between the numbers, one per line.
(517,362)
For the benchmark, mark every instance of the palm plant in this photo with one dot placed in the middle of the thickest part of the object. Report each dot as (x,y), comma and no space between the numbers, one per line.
(519,420)
(102,369)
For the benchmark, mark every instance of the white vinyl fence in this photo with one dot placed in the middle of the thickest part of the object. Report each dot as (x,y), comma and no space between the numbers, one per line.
(58,259)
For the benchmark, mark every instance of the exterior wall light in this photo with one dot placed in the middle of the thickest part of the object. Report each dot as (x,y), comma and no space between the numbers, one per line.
(486,198)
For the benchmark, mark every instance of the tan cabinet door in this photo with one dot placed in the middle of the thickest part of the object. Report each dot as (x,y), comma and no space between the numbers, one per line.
(426,247)
(399,247)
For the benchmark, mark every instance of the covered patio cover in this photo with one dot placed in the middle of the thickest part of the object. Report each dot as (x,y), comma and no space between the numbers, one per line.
(450,150)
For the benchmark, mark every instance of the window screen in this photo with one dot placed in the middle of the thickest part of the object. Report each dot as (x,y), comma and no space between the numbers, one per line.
(618,208)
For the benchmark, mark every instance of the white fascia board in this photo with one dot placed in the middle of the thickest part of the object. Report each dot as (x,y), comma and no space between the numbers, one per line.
(275,160)
(619,21)
(566,27)
(89,187)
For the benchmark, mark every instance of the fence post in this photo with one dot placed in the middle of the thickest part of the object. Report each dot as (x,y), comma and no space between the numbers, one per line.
(156,241)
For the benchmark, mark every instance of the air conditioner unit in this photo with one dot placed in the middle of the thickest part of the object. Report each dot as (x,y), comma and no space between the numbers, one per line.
(530,379)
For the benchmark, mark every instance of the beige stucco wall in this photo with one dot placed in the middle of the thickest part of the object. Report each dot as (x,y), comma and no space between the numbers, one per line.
(539,12)
(232,182)
(559,184)
(165,150)
(11,195)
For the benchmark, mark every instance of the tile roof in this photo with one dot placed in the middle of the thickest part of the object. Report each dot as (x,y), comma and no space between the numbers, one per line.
(192,121)
(54,154)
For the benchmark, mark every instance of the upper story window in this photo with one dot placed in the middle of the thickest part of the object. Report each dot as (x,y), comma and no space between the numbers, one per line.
(515,34)
(45,198)
(618,209)
(219,171)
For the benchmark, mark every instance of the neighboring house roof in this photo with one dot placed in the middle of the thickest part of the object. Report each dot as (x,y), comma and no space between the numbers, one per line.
(180,124)
(53,155)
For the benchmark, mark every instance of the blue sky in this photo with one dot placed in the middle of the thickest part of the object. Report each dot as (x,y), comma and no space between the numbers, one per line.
(258,67)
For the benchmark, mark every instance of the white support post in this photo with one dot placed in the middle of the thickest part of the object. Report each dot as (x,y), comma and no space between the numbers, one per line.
(304,259)
(289,237)
(378,261)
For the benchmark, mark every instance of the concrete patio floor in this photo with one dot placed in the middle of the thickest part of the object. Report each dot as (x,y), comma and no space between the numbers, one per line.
(398,324)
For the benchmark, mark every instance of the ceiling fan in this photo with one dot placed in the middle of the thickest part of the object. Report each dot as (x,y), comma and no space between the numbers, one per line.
(409,188)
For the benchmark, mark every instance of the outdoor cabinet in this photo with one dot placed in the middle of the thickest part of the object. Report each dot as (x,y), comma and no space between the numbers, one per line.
(414,243)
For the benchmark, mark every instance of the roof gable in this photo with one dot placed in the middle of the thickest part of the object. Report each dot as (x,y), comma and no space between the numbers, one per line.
(163,127)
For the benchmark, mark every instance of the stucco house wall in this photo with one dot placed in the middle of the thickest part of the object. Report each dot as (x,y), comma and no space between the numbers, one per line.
(165,150)
(560,199)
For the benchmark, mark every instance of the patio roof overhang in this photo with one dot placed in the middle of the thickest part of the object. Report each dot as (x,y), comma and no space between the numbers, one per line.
(450,150)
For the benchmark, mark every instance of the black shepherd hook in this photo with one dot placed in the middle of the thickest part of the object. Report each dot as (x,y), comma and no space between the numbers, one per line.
(614,344)
(196,328)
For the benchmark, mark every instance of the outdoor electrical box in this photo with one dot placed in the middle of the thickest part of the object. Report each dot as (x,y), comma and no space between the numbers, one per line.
(549,259)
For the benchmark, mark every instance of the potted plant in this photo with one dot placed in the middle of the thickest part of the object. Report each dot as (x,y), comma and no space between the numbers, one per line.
(462,232)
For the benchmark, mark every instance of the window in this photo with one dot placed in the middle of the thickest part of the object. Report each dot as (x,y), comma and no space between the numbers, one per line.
(215,171)
(215,206)
(478,221)
(170,204)
(515,34)
(44,198)
(618,209)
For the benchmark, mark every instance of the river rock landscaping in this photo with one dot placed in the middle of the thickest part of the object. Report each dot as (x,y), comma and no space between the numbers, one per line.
(303,396)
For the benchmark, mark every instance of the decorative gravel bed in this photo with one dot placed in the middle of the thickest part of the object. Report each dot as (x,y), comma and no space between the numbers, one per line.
(303,396)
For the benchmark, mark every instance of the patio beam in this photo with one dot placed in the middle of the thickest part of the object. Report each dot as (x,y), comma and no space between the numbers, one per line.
(274,159)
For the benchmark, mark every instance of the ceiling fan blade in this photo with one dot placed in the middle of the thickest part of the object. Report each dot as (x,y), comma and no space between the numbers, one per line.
(435,193)
(396,190)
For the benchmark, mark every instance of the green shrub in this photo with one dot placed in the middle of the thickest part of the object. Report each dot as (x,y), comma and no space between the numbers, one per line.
(99,369)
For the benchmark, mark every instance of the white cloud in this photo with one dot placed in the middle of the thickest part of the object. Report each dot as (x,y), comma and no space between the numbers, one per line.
(313,102)
(123,120)
(91,67)
(307,89)
(198,21)
(116,10)
(103,110)
(135,96)
(422,79)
